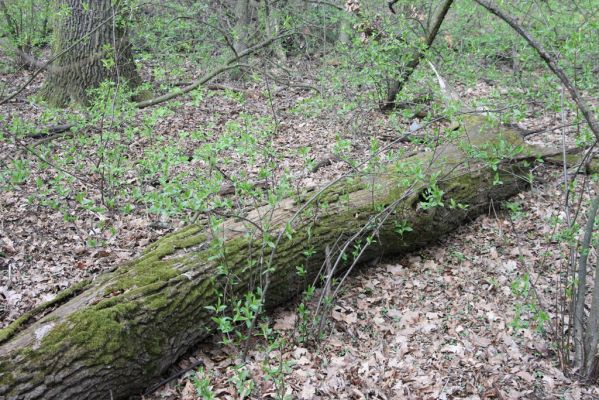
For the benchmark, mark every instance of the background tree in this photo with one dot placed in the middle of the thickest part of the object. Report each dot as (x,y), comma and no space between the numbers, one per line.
(92,35)
(25,28)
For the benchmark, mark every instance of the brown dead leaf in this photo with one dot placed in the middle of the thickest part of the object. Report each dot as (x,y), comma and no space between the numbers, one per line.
(344,315)
(308,391)
(409,317)
(286,322)
(395,269)
(188,392)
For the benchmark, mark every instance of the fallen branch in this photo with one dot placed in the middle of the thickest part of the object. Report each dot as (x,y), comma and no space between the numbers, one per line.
(531,132)
(585,163)
(229,64)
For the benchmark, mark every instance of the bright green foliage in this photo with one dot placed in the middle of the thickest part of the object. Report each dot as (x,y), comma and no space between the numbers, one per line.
(201,381)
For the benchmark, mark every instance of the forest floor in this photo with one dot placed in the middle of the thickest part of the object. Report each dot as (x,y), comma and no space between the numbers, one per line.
(459,319)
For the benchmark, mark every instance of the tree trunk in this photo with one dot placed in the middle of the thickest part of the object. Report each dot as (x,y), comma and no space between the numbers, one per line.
(271,22)
(241,32)
(112,337)
(588,333)
(395,86)
(95,48)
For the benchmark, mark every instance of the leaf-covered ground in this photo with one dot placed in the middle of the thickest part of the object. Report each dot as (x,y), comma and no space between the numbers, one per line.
(458,320)
(45,249)
(454,321)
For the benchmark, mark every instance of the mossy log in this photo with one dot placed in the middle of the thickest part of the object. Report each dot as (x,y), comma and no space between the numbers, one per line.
(113,336)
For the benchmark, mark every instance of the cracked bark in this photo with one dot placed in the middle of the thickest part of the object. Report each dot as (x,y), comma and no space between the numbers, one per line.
(88,63)
(115,336)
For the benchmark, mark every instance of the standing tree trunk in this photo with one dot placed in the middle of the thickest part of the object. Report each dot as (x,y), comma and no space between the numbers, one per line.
(241,32)
(242,25)
(271,22)
(95,47)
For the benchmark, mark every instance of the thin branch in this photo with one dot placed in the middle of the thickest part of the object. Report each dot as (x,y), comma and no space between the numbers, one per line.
(230,64)
(551,63)
(174,376)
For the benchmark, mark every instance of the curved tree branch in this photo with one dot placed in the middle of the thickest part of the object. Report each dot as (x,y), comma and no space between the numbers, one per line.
(229,64)
(551,63)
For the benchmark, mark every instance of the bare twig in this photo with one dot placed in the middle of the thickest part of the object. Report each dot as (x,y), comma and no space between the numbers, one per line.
(174,376)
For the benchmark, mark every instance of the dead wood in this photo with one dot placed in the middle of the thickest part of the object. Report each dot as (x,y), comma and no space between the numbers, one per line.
(115,336)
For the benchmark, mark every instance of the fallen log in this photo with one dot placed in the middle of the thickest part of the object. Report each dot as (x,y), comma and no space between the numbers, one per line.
(115,335)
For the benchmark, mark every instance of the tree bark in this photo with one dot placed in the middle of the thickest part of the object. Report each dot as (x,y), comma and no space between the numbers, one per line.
(589,334)
(396,85)
(241,32)
(105,54)
(113,337)
(271,22)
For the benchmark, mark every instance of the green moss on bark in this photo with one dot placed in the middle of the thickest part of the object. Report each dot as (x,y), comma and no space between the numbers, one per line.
(9,331)
(152,309)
